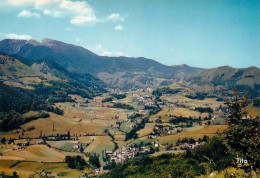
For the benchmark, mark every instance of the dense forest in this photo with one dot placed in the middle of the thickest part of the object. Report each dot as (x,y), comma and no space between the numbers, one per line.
(123,106)
(20,101)
(165,90)
(15,101)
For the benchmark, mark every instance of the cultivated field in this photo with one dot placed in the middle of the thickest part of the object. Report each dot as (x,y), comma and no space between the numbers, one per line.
(184,112)
(146,130)
(127,126)
(26,168)
(253,111)
(87,120)
(99,144)
(192,103)
(39,153)
(194,132)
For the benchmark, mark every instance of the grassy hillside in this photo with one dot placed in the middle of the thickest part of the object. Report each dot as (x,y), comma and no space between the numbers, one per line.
(228,76)
(27,86)
(24,73)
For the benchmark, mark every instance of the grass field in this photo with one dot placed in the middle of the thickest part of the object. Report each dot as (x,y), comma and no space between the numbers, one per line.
(192,103)
(168,152)
(118,135)
(35,158)
(62,124)
(78,98)
(66,145)
(145,140)
(17,74)
(99,144)
(253,111)
(184,112)
(26,168)
(94,110)
(146,130)
(16,84)
(149,128)
(128,100)
(127,126)
(31,80)
(195,132)
(31,113)
(37,153)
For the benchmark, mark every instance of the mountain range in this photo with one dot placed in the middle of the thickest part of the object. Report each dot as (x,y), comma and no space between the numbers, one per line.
(123,72)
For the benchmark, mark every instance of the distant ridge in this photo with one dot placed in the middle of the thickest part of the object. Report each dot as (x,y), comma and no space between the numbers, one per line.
(123,72)
(81,60)
(116,71)
(229,76)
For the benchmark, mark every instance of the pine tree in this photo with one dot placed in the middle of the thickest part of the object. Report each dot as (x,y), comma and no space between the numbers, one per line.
(242,135)
(68,135)
(81,148)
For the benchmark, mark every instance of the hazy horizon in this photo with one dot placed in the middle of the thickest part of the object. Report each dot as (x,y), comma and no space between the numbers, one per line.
(204,34)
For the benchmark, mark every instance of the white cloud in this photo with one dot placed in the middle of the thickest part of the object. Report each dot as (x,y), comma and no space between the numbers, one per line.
(55,14)
(82,20)
(79,12)
(102,52)
(120,54)
(47,12)
(83,13)
(119,27)
(16,36)
(78,7)
(115,17)
(27,14)
(106,53)
(35,3)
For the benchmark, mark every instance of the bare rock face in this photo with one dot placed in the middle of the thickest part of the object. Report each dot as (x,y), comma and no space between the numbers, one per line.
(10,46)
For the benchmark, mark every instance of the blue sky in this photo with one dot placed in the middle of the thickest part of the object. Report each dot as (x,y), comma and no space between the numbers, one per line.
(201,33)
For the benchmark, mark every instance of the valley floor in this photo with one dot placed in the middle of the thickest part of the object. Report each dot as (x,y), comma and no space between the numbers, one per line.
(150,125)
